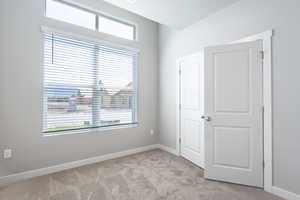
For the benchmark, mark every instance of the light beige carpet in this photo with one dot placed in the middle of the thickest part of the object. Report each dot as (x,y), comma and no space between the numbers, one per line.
(153,175)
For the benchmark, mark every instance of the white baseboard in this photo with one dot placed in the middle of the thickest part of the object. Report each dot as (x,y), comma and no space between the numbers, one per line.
(285,194)
(168,149)
(48,170)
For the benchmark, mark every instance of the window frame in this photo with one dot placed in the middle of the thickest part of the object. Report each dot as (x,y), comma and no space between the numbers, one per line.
(97,14)
(135,78)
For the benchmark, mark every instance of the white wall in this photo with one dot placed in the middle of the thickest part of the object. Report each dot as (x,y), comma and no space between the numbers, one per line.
(21,89)
(244,18)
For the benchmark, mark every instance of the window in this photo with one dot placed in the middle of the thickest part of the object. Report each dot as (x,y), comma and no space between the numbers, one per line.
(116,28)
(59,10)
(84,83)
(70,14)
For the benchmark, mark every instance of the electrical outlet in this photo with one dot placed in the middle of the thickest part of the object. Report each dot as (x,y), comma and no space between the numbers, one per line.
(151,132)
(7,153)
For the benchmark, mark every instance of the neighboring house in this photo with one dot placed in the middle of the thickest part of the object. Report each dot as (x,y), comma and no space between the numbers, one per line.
(110,98)
(118,99)
(122,99)
(62,97)
(61,93)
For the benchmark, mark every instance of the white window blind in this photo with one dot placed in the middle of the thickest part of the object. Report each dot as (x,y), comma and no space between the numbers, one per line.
(87,85)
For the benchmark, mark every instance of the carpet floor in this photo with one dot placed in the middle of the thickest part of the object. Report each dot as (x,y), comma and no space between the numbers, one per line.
(152,175)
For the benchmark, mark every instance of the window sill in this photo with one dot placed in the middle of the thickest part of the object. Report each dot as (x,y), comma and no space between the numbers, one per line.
(90,130)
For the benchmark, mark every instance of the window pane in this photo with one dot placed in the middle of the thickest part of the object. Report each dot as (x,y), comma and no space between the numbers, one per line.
(116,28)
(68,108)
(64,12)
(118,93)
(69,68)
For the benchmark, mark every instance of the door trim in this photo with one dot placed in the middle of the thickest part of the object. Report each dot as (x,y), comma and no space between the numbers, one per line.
(266,37)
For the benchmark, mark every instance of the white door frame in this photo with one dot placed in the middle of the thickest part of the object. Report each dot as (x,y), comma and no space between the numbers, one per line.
(266,37)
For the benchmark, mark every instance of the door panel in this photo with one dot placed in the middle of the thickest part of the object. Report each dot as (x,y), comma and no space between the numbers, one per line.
(192,139)
(232,143)
(233,101)
(192,107)
(226,81)
(190,80)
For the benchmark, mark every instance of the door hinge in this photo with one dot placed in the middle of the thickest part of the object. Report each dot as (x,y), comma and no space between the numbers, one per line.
(179,106)
(262,53)
(180,72)
(179,140)
(264,164)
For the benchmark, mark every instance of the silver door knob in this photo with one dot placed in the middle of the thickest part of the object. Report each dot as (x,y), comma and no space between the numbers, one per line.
(206,118)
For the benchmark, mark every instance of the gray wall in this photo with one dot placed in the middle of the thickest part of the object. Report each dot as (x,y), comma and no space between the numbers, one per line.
(244,18)
(21,89)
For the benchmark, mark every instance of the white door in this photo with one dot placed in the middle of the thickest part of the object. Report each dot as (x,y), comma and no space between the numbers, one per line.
(233,113)
(192,108)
